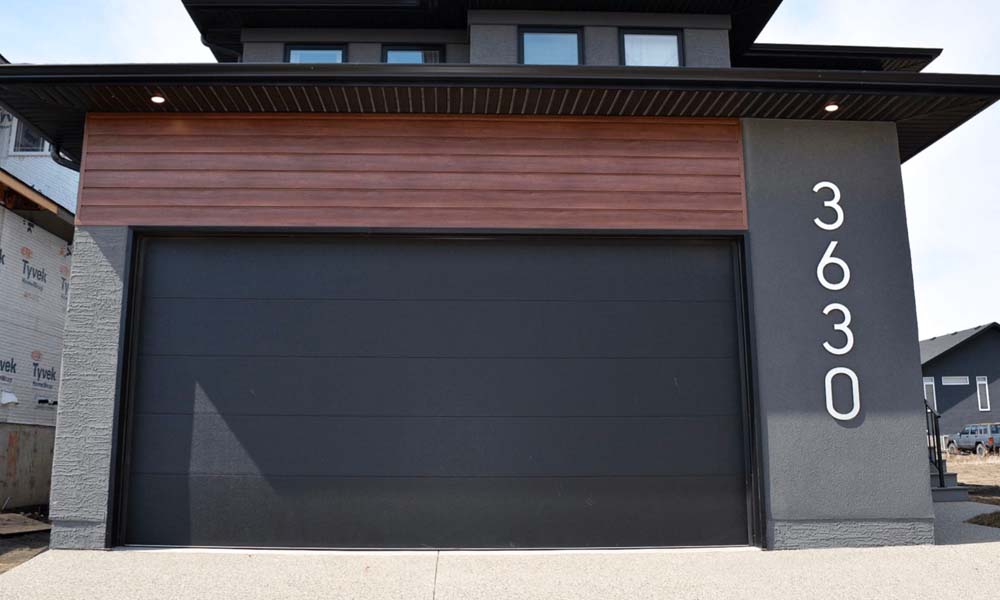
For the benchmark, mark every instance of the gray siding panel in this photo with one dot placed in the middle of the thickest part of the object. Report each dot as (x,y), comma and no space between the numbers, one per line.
(438,387)
(396,511)
(455,446)
(438,329)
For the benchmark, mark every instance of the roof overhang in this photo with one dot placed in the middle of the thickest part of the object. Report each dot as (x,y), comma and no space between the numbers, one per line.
(925,107)
(851,58)
(221,21)
(31,204)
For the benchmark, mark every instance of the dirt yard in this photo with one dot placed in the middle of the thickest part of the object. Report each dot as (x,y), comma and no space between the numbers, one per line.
(976,471)
(17,549)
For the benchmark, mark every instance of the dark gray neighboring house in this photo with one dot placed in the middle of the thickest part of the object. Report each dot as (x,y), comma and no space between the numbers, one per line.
(962,376)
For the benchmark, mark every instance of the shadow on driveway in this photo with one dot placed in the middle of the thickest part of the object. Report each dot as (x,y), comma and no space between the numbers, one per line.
(950,527)
(17,549)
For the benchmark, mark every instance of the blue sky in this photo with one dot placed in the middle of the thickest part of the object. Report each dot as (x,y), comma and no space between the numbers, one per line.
(951,211)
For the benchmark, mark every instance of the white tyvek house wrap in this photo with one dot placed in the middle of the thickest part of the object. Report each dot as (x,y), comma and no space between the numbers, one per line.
(34,281)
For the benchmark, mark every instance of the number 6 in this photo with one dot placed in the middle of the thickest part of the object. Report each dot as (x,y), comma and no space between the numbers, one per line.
(827,260)
(855,393)
(834,204)
(844,327)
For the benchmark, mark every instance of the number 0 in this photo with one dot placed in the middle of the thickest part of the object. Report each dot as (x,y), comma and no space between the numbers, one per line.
(855,394)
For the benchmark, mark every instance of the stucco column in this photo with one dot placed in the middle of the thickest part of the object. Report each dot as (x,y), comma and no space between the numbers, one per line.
(832,478)
(87,396)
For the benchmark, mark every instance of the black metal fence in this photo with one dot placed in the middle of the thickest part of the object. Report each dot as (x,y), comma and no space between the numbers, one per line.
(934,442)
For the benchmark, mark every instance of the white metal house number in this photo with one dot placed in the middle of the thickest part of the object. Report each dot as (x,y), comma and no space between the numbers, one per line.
(830,264)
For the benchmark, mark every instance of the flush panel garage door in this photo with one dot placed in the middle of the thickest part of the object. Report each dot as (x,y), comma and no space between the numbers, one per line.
(435,392)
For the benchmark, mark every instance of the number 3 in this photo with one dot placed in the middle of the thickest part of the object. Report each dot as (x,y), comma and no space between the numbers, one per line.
(834,204)
(844,327)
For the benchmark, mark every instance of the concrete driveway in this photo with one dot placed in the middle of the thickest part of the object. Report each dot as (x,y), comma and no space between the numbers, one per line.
(909,572)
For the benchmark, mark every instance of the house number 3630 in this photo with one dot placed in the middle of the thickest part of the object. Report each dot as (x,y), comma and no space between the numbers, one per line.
(834,274)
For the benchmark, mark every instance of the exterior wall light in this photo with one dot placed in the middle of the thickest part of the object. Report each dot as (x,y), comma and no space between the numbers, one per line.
(157,99)
(832,107)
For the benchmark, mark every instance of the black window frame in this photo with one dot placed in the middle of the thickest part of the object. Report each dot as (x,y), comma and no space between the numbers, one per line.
(679,33)
(523,29)
(289,48)
(439,48)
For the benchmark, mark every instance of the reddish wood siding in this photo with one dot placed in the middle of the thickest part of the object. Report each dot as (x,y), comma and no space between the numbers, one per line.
(413,171)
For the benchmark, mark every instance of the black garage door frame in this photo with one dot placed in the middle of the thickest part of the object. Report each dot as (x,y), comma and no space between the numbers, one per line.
(129,335)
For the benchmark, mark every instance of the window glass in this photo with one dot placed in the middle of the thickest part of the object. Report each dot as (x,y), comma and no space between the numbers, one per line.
(652,50)
(27,139)
(983,393)
(994,429)
(412,56)
(551,47)
(930,395)
(316,55)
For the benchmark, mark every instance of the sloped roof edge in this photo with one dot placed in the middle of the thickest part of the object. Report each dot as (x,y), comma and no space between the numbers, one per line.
(933,348)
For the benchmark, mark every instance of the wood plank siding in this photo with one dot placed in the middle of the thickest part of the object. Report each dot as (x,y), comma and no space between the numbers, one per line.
(413,172)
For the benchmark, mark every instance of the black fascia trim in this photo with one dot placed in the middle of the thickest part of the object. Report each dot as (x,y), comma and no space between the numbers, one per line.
(792,54)
(864,51)
(678,33)
(289,48)
(581,58)
(743,80)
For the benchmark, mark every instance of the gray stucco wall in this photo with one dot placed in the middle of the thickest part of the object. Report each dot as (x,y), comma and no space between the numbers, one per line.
(493,34)
(492,44)
(363,45)
(600,46)
(707,48)
(85,422)
(491,37)
(263,52)
(828,482)
(958,405)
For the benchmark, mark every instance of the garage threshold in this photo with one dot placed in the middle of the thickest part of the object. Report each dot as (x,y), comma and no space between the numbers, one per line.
(418,552)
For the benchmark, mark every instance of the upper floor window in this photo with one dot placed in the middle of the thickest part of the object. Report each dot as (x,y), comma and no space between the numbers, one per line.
(551,47)
(317,54)
(645,48)
(412,55)
(27,140)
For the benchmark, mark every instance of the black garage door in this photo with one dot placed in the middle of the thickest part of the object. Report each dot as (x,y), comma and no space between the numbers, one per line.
(436,392)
